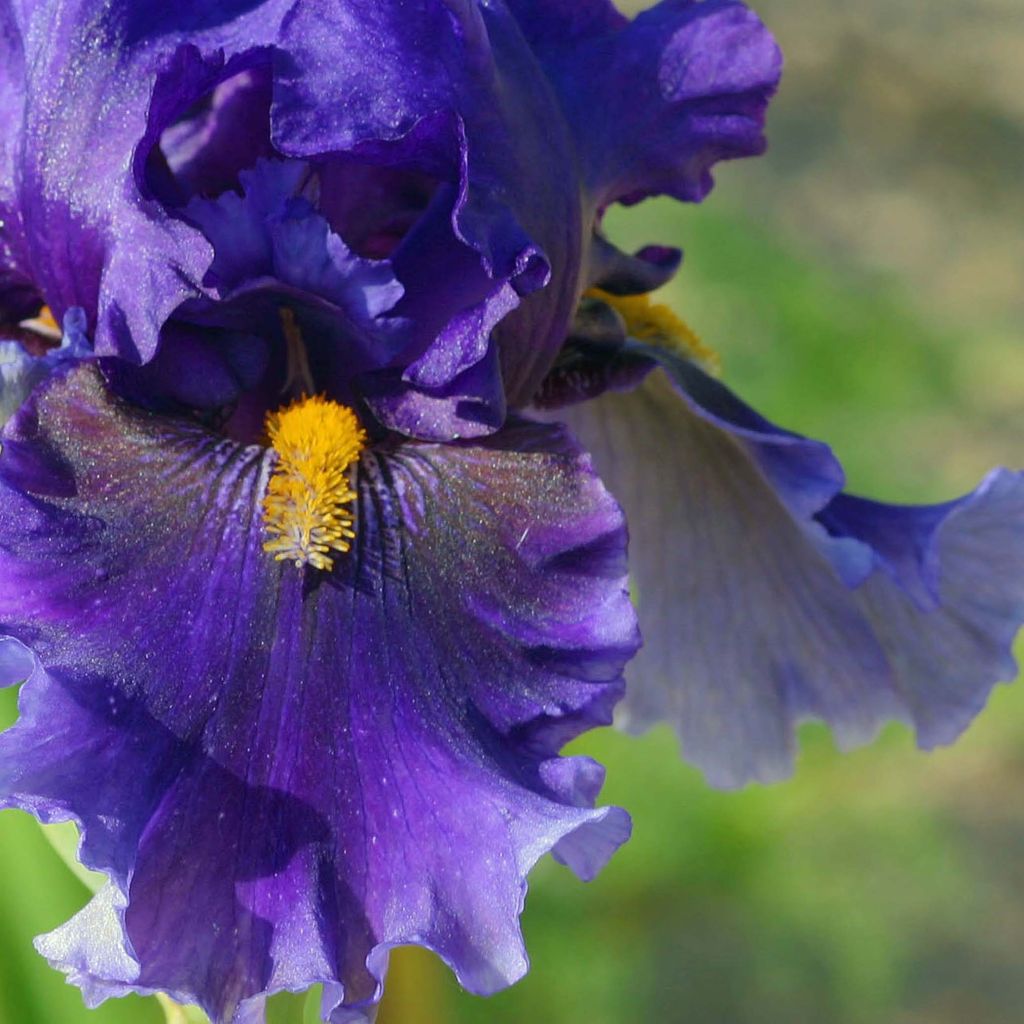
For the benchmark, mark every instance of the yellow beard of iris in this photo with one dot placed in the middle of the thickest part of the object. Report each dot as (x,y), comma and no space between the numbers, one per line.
(657,325)
(307,507)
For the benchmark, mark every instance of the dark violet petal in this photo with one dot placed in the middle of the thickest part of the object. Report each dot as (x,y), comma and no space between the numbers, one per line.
(556,24)
(451,301)
(19,297)
(755,616)
(285,774)
(655,104)
(409,81)
(309,256)
(209,119)
(473,110)
(197,368)
(79,228)
(237,223)
(273,249)
(471,405)
(616,272)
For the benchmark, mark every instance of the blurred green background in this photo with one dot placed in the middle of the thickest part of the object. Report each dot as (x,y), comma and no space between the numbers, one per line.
(864,282)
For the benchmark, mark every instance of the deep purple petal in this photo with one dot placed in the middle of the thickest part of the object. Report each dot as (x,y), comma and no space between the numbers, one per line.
(471,405)
(475,110)
(619,273)
(766,597)
(209,119)
(274,250)
(286,774)
(557,24)
(81,231)
(19,297)
(656,103)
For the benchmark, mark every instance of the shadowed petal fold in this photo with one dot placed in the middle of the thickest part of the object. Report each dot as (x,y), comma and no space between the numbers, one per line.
(75,224)
(475,112)
(767,597)
(285,774)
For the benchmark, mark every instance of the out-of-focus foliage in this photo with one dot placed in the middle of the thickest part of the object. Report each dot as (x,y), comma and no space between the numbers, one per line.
(863,284)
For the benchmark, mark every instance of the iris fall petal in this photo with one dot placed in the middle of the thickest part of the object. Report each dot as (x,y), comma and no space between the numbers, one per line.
(767,597)
(285,774)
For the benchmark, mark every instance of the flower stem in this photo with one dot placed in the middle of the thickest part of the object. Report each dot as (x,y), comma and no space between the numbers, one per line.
(176,1014)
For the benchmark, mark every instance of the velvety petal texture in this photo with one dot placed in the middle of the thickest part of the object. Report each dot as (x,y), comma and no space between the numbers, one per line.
(76,226)
(126,111)
(767,597)
(285,773)
(117,116)
(657,101)
(474,110)
(19,299)
(553,24)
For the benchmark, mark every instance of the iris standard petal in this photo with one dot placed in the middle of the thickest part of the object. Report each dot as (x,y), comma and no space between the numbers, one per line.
(81,231)
(655,103)
(286,774)
(766,598)
(476,111)
(273,249)
(129,111)
(465,135)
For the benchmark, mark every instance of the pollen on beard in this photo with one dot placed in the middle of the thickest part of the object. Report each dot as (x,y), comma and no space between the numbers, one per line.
(307,509)
(658,325)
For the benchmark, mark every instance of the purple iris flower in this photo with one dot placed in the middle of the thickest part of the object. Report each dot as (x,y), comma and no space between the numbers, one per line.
(307,597)
(306,610)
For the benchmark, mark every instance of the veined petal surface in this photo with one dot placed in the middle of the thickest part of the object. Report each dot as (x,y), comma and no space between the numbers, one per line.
(767,597)
(285,774)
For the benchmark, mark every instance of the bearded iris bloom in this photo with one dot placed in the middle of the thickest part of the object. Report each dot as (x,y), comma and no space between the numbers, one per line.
(307,594)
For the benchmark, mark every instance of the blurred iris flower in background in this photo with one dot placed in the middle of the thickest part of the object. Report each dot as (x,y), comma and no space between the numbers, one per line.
(306,582)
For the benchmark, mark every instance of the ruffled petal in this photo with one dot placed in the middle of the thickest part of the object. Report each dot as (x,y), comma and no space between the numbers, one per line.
(474,110)
(209,120)
(469,128)
(471,405)
(273,249)
(947,599)
(655,103)
(78,227)
(619,273)
(284,774)
(766,597)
